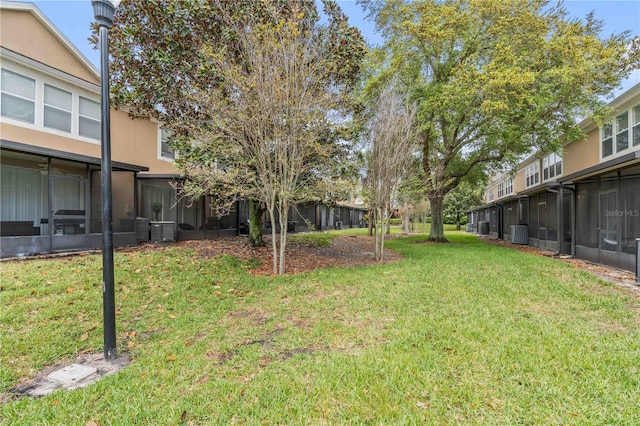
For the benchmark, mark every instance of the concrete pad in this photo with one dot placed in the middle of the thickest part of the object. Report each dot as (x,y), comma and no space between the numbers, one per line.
(43,388)
(72,374)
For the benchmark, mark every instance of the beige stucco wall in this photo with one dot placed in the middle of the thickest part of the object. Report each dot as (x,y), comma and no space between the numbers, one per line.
(136,142)
(582,154)
(518,182)
(132,141)
(22,32)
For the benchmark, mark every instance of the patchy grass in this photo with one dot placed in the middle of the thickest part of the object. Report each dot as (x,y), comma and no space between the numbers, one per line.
(317,239)
(455,333)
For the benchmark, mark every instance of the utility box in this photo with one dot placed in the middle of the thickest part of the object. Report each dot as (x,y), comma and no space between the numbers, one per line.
(483,227)
(519,234)
(142,229)
(162,231)
(469,227)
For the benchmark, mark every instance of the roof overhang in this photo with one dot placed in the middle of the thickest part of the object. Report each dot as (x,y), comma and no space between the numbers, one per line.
(540,188)
(47,152)
(159,176)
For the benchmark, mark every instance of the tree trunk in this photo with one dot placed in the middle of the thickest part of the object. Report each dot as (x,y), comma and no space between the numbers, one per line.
(379,233)
(406,226)
(370,223)
(284,217)
(255,224)
(274,242)
(457,223)
(437,223)
(387,229)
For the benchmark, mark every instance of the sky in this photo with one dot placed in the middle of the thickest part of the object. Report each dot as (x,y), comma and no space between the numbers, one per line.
(73,18)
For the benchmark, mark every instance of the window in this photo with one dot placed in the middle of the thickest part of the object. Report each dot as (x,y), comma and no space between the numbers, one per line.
(622,132)
(18,97)
(532,174)
(636,125)
(165,148)
(508,186)
(551,166)
(491,196)
(57,108)
(89,119)
(607,140)
(501,189)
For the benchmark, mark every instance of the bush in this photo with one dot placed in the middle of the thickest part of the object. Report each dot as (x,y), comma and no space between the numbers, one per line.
(448,220)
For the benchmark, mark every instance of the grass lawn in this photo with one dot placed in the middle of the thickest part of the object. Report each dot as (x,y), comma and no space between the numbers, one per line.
(455,333)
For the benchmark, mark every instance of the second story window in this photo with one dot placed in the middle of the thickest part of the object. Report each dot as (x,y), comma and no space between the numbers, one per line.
(508,184)
(165,148)
(622,132)
(89,119)
(18,97)
(551,166)
(501,190)
(532,175)
(607,140)
(57,108)
(636,125)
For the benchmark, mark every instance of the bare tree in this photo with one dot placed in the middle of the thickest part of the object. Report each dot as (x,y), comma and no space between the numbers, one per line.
(392,148)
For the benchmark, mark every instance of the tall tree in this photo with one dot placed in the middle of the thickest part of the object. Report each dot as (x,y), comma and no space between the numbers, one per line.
(391,149)
(495,80)
(460,200)
(160,56)
(271,124)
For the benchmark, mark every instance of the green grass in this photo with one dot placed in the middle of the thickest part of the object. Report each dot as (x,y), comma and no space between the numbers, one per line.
(455,333)
(324,238)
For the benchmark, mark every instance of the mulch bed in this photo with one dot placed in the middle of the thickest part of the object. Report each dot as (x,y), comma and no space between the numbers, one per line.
(345,251)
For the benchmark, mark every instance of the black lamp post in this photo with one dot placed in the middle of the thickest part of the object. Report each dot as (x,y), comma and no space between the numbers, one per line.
(103,11)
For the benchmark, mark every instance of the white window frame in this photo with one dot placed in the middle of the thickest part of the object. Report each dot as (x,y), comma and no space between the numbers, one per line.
(20,97)
(550,165)
(161,152)
(89,118)
(45,105)
(532,175)
(501,190)
(508,186)
(612,131)
(634,137)
(44,75)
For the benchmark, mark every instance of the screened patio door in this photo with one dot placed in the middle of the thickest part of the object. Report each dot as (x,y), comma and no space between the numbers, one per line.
(542,225)
(608,228)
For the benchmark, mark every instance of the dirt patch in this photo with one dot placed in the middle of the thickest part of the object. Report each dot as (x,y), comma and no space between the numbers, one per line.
(345,251)
(616,276)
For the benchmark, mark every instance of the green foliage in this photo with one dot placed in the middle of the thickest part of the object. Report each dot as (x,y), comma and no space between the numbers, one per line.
(252,92)
(494,80)
(455,331)
(459,201)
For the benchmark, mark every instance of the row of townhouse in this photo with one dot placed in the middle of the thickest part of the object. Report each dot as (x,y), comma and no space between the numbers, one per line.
(583,201)
(50,157)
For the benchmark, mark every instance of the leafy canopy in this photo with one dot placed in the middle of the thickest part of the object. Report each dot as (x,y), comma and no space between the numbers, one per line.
(495,80)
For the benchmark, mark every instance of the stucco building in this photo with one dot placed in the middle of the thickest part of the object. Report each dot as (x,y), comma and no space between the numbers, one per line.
(50,157)
(583,201)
